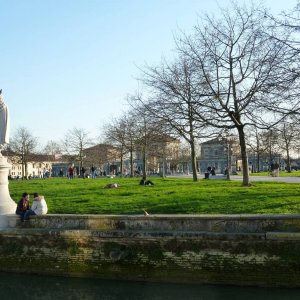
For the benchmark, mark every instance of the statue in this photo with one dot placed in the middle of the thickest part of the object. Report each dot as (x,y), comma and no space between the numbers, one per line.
(4,123)
(7,205)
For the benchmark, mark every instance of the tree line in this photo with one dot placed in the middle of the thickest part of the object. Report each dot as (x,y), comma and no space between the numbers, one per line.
(237,73)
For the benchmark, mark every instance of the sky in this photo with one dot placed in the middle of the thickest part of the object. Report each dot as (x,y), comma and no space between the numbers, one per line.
(72,63)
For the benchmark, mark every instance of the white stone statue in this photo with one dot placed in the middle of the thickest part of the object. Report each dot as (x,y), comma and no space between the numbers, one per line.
(4,123)
(7,205)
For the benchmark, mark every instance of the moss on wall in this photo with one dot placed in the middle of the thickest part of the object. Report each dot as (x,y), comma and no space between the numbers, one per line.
(207,259)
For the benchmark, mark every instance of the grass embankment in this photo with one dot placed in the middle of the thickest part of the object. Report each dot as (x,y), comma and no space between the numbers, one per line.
(166,196)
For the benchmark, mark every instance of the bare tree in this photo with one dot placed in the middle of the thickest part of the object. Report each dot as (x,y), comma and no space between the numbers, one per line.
(122,134)
(270,144)
(149,132)
(288,137)
(184,156)
(145,130)
(130,123)
(175,98)
(116,135)
(74,143)
(244,71)
(23,145)
(255,142)
(52,148)
(289,20)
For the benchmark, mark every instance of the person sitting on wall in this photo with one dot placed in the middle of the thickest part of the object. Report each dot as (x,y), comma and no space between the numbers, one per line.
(39,207)
(213,171)
(23,206)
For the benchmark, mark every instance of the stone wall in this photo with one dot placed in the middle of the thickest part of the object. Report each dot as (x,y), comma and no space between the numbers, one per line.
(261,250)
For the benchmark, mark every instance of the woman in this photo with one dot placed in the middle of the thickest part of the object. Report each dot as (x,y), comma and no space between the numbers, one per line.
(23,206)
(39,207)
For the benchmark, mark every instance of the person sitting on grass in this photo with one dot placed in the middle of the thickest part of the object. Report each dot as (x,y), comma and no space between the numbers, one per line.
(23,206)
(148,182)
(111,186)
(39,207)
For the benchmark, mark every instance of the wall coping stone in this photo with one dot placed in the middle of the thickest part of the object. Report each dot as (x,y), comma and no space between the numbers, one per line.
(170,216)
(247,223)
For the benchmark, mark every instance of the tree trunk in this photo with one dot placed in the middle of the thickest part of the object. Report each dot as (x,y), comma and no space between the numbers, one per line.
(258,163)
(131,163)
(194,161)
(26,170)
(288,161)
(121,165)
(23,165)
(246,180)
(144,165)
(23,171)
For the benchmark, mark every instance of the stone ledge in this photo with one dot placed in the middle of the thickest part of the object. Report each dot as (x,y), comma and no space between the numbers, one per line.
(180,223)
(283,236)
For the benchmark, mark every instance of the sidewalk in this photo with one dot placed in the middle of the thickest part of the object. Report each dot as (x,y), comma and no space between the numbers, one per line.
(268,178)
(252,178)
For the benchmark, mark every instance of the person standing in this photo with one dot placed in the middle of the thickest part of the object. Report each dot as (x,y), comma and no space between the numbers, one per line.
(93,169)
(82,172)
(23,206)
(71,172)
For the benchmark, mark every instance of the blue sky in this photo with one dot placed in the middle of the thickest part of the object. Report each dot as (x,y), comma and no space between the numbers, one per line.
(71,63)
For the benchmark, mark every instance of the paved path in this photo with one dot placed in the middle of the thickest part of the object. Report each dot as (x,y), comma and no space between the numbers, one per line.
(268,178)
(252,178)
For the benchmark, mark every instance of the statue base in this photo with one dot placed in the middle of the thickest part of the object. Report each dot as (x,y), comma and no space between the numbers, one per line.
(7,205)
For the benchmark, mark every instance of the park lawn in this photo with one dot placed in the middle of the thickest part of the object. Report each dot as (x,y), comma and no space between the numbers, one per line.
(166,196)
(281,174)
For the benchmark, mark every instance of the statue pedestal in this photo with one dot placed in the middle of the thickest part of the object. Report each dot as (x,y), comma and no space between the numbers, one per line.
(7,205)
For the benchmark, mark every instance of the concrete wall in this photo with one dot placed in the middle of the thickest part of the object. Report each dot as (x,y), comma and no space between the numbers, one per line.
(260,250)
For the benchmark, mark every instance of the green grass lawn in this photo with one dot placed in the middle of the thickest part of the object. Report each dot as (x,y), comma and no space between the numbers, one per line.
(281,174)
(166,196)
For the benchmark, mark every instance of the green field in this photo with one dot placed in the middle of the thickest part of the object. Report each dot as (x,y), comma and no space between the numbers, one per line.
(166,196)
(281,174)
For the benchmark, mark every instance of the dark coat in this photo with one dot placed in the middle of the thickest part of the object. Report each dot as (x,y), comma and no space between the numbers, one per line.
(22,206)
